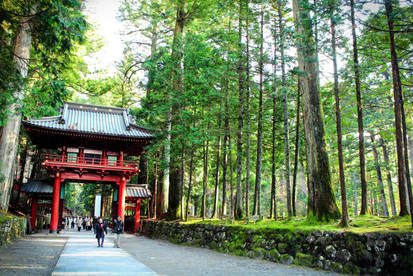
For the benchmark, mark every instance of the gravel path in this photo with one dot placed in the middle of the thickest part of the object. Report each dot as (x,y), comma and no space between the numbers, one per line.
(169,259)
(35,254)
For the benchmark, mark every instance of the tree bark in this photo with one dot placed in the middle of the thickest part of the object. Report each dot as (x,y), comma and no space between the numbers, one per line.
(205,177)
(155,192)
(398,102)
(247,114)
(285,106)
(362,159)
(297,141)
(273,202)
(191,168)
(388,176)
(325,207)
(238,205)
(379,176)
(215,212)
(257,195)
(10,134)
(344,217)
(177,89)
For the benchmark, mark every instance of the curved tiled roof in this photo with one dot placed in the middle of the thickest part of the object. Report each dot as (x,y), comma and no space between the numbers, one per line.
(138,191)
(37,187)
(93,119)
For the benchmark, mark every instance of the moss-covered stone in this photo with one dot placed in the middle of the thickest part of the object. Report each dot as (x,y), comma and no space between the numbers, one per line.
(336,267)
(282,248)
(350,268)
(286,259)
(304,260)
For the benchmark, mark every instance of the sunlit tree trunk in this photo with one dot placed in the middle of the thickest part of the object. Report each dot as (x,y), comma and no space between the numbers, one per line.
(344,217)
(10,134)
(324,207)
(402,160)
(388,176)
(297,140)
(379,176)
(273,202)
(362,158)
(285,106)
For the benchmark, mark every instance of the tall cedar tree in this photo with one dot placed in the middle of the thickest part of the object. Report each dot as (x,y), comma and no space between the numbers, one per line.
(400,124)
(238,196)
(362,157)
(257,195)
(247,112)
(285,107)
(333,18)
(324,205)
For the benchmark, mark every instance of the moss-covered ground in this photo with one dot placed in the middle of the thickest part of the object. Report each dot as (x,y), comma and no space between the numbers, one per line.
(358,224)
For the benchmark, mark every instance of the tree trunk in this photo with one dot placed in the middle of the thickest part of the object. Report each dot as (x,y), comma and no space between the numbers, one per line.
(363,210)
(379,177)
(177,89)
(388,176)
(398,103)
(231,169)
(155,192)
(257,195)
(297,140)
(238,205)
(10,134)
(285,106)
(191,168)
(247,115)
(224,176)
(344,218)
(355,195)
(273,202)
(23,161)
(325,207)
(182,179)
(205,177)
(215,212)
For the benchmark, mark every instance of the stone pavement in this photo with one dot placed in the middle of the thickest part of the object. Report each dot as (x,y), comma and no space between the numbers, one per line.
(76,253)
(35,254)
(81,256)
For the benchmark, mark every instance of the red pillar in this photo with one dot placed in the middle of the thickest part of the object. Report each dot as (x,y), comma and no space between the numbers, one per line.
(137,215)
(121,199)
(34,213)
(55,204)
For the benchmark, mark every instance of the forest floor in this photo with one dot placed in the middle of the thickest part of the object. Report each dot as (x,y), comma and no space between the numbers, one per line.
(357,224)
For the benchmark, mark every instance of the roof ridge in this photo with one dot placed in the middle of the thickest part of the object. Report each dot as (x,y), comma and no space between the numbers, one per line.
(72,104)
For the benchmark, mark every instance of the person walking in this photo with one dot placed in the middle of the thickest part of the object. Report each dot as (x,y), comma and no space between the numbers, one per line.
(118,230)
(100,231)
(79,224)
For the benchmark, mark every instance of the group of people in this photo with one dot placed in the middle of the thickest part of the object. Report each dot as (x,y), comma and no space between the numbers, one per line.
(86,223)
(101,231)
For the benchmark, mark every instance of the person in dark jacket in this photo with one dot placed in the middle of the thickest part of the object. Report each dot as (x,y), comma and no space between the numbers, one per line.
(100,231)
(118,230)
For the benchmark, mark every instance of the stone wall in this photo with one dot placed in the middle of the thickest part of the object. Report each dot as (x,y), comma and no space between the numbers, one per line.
(11,228)
(343,252)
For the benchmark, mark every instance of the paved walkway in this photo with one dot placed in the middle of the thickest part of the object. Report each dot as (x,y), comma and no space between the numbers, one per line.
(81,256)
(32,255)
(170,259)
